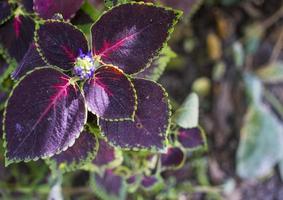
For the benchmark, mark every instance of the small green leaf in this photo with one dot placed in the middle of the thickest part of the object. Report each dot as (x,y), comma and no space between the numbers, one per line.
(272,73)
(187,115)
(261,143)
(253,88)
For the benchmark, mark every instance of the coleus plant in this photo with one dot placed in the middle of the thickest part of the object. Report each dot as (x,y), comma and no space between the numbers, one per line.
(18,19)
(47,109)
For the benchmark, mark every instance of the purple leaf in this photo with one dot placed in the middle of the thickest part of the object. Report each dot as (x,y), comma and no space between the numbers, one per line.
(5,11)
(30,61)
(191,138)
(106,155)
(173,158)
(44,115)
(131,180)
(28,5)
(76,156)
(109,185)
(82,18)
(130,35)
(111,95)
(60,43)
(148,182)
(148,130)
(157,67)
(16,36)
(47,8)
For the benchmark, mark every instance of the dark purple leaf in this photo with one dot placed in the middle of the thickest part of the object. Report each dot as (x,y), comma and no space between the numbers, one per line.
(28,5)
(191,138)
(5,11)
(31,60)
(109,185)
(3,98)
(133,182)
(130,35)
(76,156)
(157,67)
(148,130)
(111,95)
(44,115)
(132,179)
(61,43)
(47,8)
(173,158)
(16,36)
(82,18)
(148,182)
(106,155)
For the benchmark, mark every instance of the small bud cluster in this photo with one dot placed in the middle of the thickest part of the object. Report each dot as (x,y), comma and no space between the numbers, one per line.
(85,66)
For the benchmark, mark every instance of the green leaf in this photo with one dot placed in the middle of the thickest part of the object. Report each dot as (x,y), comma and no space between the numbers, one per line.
(187,115)
(253,88)
(261,143)
(56,186)
(272,73)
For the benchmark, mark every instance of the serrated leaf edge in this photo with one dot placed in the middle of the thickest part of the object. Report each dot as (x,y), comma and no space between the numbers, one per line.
(74,165)
(165,142)
(178,13)
(71,143)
